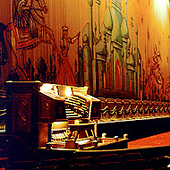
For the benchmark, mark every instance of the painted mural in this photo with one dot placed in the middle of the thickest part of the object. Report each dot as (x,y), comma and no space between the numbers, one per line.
(118,48)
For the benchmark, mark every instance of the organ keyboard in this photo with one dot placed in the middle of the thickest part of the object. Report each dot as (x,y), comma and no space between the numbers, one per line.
(77,103)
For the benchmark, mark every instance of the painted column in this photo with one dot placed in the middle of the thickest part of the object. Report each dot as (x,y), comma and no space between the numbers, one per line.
(90,2)
(125,53)
(98,5)
(93,86)
(133,83)
(138,72)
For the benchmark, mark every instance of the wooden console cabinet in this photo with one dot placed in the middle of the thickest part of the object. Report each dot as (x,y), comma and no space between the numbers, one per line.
(22,110)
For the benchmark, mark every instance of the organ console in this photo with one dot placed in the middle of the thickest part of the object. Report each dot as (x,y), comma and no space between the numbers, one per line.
(65,113)
(43,114)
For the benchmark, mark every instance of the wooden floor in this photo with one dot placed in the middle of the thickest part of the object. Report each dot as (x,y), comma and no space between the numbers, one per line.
(162,139)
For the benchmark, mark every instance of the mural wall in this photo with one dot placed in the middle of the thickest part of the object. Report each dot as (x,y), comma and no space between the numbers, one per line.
(118,48)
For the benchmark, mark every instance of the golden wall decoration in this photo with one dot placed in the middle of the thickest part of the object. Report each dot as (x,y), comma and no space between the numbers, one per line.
(118,48)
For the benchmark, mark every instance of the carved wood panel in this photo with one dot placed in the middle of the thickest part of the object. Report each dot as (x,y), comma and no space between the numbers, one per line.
(21,113)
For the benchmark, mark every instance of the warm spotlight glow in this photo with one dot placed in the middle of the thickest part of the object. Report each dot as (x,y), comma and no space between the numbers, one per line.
(46,87)
(161,10)
(68,91)
(162,3)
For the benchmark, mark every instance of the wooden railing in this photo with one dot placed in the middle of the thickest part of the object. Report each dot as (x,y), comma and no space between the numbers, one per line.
(129,108)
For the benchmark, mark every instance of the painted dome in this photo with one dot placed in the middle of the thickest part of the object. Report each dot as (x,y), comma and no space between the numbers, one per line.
(101,48)
(108,22)
(117,20)
(124,29)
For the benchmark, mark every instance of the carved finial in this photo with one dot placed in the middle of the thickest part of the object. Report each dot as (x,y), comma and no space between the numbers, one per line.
(90,2)
(98,2)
